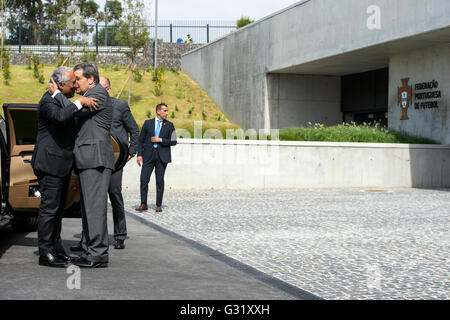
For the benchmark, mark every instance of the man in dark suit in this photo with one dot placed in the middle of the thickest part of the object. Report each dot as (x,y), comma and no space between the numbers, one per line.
(94,161)
(122,125)
(155,140)
(52,162)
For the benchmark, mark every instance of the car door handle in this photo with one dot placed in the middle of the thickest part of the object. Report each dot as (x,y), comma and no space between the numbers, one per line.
(27,161)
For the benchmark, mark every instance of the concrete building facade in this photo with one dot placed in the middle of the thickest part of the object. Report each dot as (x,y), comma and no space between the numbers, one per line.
(328,61)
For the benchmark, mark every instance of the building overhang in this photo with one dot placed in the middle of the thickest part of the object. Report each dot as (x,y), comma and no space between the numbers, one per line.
(368,58)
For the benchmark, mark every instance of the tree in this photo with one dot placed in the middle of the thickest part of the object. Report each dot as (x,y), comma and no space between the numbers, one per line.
(243,21)
(3,5)
(133,33)
(42,15)
(111,35)
(112,14)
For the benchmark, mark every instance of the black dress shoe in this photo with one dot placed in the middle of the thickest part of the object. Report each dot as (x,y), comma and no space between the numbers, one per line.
(76,248)
(50,260)
(84,263)
(119,244)
(68,259)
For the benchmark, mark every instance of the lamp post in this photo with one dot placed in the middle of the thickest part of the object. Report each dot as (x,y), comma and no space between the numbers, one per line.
(106,23)
(156,33)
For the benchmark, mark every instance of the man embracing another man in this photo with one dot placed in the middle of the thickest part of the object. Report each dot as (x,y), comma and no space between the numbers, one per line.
(52,162)
(94,163)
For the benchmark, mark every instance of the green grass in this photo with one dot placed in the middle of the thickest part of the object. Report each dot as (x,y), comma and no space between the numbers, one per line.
(188,103)
(179,92)
(350,133)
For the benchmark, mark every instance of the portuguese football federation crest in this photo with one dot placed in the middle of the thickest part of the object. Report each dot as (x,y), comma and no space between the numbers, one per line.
(405,98)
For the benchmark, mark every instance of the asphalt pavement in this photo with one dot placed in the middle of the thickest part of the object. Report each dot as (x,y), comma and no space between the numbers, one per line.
(155,265)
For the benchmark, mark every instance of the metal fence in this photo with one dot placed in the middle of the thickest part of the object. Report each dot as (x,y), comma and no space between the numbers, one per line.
(101,38)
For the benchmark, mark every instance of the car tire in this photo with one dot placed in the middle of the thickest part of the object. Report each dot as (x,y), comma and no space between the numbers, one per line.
(24,224)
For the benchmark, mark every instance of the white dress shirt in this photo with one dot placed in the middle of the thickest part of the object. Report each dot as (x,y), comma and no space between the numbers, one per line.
(77,102)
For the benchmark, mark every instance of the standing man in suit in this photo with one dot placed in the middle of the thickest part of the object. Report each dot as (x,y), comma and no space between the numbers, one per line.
(122,125)
(155,140)
(94,160)
(52,162)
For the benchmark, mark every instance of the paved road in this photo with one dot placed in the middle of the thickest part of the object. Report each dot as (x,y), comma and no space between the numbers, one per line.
(336,244)
(154,265)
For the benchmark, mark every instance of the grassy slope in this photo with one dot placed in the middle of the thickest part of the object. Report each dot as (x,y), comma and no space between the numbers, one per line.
(182,93)
(179,91)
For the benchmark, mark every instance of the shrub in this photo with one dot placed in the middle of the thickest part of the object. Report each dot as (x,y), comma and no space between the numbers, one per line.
(352,132)
(158,78)
(59,60)
(29,60)
(137,74)
(88,56)
(5,67)
(190,112)
(243,21)
(37,70)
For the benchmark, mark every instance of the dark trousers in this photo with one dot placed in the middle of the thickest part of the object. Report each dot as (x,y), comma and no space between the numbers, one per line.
(150,163)
(115,196)
(51,210)
(94,188)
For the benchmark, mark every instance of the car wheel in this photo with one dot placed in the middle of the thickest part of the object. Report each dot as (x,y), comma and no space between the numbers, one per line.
(24,224)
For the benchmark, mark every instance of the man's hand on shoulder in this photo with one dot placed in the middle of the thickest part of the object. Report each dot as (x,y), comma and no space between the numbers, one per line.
(91,103)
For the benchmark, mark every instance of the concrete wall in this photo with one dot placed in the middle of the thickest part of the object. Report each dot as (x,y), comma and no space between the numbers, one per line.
(426,65)
(231,164)
(296,100)
(321,37)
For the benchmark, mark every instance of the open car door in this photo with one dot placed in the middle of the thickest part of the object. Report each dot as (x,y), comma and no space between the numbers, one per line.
(20,186)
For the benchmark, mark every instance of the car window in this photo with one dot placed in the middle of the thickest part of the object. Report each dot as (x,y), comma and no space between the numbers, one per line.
(25,126)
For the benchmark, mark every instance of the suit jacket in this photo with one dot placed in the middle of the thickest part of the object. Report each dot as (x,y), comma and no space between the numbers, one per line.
(93,147)
(168,135)
(53,151)
(124,123)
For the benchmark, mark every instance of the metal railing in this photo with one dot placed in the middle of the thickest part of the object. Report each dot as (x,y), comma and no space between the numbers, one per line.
(101,39)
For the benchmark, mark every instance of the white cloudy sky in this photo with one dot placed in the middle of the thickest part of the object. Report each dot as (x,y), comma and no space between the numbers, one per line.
(213,9)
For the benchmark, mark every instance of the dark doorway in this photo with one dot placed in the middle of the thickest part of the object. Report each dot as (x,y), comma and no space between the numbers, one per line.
(365,97)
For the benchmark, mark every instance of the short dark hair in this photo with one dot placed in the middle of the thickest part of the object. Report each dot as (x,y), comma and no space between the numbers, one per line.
(159,106)
(89,70)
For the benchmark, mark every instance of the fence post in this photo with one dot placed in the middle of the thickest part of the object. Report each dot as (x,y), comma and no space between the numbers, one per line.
(59,41)
(96,37)
(20,36)
(207,33)
(170,33)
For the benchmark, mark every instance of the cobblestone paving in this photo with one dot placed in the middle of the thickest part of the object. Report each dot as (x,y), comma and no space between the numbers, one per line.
(336,244)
